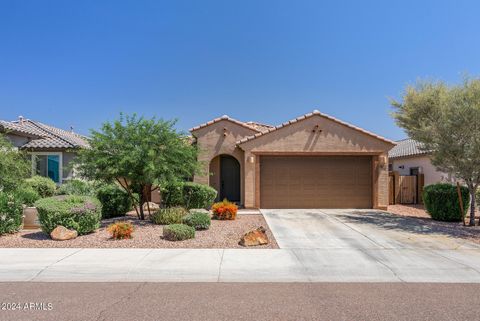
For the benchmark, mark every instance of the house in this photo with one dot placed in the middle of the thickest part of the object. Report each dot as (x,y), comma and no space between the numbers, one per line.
(313,161)
(409,158)
(52,149)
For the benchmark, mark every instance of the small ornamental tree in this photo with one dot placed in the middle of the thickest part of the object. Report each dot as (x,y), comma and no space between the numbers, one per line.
(446,120)
(140,155)
(14,166)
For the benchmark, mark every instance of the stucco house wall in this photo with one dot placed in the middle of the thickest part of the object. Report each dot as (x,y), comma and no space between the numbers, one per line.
(329,138)
(431,175)
(219,139)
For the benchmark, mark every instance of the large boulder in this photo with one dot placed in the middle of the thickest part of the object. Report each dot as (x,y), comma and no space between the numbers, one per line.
(254,237)
(61,233)
(153,206)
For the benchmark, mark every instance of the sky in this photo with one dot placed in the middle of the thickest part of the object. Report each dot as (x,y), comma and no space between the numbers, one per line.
(81,63)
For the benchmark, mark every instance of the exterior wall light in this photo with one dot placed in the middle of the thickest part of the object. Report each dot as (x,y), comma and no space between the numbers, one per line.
(251,159)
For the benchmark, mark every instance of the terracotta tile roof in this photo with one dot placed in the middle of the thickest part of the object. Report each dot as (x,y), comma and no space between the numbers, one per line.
(315,112)
(250,125)
(45,136)
(407,147)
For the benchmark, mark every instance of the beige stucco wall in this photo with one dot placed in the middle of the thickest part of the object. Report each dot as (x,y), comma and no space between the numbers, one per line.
(217,139)
(429,171)
(330,137)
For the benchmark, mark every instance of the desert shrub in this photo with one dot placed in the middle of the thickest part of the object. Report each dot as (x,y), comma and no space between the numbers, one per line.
(121,230)
(115,201)
(11,213)
(441,201)
(44,186)
(197,220)
(172,194)
(170,215)
(198,195)
(224,210)
(27,195)
(77,187)
(178,232)
(80,213)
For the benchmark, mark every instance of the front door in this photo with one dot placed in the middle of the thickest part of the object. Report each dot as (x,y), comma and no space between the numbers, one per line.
(229,179)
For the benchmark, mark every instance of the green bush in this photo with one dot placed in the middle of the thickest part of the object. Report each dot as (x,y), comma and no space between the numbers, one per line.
(115,201)
(172,194)
(11,213)
(27,195)
(81,213)
(170,215)
(77,187)
(198,220)
(178,232)
(441,202)
(44,186)
(198,195)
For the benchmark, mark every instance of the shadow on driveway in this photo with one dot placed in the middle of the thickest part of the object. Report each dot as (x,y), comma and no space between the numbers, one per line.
(423,226)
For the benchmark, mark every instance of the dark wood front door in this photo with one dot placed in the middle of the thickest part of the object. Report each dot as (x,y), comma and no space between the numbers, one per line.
(229,179)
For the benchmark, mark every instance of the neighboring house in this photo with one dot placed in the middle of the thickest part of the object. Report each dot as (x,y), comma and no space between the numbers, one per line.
(408,158)
(52,148)
(313,161)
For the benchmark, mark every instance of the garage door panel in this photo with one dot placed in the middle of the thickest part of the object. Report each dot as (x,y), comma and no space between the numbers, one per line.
(315,182)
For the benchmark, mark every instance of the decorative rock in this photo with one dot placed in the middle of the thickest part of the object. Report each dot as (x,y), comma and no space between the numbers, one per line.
(254,237)
(61,233)
(153,206)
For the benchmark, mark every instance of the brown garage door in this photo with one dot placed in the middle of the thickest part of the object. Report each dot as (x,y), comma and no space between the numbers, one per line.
(315,182)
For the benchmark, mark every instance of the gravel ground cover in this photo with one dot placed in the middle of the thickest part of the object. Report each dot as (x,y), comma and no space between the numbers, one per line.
(222,234)
(454,229)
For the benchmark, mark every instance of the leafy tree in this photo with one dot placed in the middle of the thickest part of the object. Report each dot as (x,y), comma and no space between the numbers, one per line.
(139,154)
(14,166)
(446,119)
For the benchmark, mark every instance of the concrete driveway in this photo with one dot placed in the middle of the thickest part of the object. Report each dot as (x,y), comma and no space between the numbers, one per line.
(368,245)
(356,229)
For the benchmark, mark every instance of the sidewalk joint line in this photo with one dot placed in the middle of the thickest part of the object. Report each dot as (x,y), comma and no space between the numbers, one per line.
(51,264)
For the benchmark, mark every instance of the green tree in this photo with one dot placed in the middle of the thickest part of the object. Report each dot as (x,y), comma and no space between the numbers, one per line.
(446,119)
(14,166)
(139,154)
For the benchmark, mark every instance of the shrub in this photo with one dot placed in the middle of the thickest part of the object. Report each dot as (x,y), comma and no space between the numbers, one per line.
(11,213)
(121,230)
(27,195)
(198,195)
(224,210)
(172,195)
(178,232)
(77,187)
(81,213)
(441,201)
(115,202)
(44,186)
(197,220)
(170,215)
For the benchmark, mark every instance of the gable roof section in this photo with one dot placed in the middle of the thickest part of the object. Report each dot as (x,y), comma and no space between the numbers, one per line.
(313,113)
(45,136)
(407,147)
(258,127)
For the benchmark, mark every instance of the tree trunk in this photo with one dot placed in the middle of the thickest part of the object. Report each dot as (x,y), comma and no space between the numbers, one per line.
(471,189)
(141,195)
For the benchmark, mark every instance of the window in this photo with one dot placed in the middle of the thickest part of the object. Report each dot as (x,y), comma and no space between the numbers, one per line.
(48,165)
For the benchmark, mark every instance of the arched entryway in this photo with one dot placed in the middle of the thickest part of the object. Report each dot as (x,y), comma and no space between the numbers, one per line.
(225,177)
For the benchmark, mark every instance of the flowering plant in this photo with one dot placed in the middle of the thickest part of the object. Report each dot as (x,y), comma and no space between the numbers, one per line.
(121,230)
(224,210)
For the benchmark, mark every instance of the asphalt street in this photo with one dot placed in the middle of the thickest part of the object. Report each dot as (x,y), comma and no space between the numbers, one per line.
(239,301)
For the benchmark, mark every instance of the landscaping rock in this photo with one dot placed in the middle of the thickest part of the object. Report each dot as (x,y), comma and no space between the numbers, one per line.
(61,233)
(254,237)
(153,206)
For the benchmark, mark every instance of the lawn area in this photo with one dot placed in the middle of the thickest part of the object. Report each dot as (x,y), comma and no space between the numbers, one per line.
(222,234)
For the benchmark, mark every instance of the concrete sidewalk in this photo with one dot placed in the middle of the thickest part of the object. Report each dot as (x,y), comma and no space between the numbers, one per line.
(238,265)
